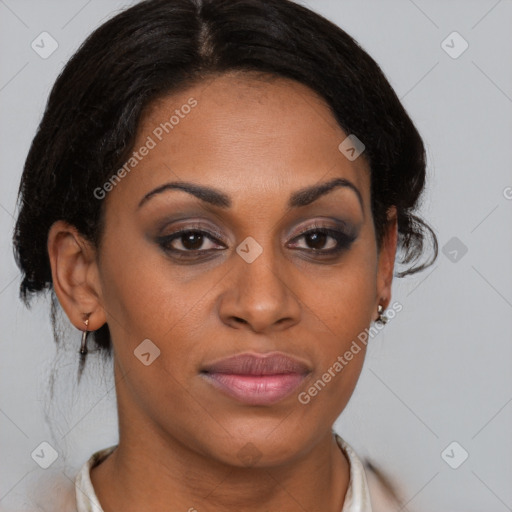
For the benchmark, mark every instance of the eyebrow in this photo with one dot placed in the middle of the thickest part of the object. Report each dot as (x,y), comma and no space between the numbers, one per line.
(301,197)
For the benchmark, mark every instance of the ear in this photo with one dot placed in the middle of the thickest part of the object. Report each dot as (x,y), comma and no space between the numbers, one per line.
(75,276)
(386,262)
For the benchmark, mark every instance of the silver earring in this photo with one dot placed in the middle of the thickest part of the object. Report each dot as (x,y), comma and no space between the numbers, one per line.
(381,318)
(83,345)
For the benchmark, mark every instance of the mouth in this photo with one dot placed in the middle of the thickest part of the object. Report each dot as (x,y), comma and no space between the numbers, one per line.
(256,379)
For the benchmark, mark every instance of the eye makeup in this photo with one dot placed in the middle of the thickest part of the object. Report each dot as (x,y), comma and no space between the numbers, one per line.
(196,241)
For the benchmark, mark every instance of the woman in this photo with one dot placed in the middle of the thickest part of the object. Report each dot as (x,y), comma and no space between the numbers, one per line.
(217,193)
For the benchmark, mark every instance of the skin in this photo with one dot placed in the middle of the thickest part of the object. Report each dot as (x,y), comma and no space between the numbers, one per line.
(257,141)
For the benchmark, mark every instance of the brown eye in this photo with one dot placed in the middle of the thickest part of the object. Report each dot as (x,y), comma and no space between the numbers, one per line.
(317,240)
(193,241)
(323,241)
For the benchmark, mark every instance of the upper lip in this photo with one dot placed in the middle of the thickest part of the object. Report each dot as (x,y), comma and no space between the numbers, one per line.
(274,363)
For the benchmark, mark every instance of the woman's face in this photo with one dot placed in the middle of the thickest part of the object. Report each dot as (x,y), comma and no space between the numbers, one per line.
(242,277)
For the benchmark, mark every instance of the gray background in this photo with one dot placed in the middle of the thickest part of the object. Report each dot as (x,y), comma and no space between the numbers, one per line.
(439,372)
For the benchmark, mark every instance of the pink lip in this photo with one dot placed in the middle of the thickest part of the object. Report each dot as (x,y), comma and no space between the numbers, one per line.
(257,379)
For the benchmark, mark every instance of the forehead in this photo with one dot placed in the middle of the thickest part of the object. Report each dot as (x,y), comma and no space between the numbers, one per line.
(244,134)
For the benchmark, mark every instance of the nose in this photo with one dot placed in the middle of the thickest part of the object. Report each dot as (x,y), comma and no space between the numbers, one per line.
(259,295)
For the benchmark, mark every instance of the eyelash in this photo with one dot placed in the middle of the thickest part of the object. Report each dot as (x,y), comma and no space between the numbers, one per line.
(343,240)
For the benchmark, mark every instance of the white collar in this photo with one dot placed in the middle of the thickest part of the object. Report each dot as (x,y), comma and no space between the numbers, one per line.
(357,497)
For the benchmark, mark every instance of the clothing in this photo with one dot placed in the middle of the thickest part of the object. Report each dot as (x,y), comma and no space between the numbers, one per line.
(357,497)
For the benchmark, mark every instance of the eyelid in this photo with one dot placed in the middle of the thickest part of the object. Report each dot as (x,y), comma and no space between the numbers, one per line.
(345,233)
(196,226)
(345,227)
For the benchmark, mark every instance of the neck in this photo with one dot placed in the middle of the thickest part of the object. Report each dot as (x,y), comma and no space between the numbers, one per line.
(136,478)
(154,470)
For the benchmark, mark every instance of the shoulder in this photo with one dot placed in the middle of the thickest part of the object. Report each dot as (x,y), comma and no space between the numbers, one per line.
(369,488)
(61,489)
(384,494)
(86,499)
(54,490)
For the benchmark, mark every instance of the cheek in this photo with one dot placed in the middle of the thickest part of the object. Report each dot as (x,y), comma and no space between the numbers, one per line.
(131,287)
(342,316)
(341,306)
(147,297)
(343,298)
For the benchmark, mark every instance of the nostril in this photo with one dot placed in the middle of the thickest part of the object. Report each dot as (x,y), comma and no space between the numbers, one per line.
(241,320)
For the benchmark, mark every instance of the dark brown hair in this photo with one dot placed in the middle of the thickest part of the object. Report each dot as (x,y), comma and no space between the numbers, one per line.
(161,46)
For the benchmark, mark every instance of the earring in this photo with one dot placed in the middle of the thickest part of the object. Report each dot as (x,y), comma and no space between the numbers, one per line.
(83,346)
(381,318)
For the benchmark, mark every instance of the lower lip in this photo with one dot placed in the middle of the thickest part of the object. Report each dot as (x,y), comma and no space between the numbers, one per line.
(256,390)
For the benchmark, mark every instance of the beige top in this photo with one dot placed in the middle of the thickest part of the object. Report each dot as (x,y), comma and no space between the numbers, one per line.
(357,498)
